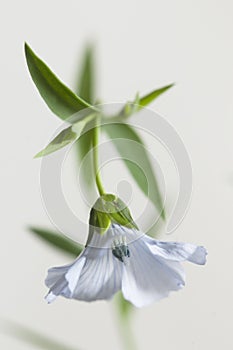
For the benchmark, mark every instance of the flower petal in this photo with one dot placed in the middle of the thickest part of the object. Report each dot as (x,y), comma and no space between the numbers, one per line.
(62,280)
(148,278)
(100,277)
(105,240)
(176,251)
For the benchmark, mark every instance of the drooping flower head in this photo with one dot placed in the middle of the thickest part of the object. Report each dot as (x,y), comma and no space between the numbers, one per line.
(118,256)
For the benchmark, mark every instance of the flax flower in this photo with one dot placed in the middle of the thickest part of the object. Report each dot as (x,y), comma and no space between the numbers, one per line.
(122,258)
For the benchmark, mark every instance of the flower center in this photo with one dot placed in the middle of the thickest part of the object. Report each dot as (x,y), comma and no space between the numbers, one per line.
(120,249)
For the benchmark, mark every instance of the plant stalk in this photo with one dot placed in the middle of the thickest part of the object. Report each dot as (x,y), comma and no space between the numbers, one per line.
(124,327)
(95,142)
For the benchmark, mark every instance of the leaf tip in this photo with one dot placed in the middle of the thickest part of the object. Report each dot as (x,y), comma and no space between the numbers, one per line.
(26,48)
(38,155)
(172,84)
(169,86)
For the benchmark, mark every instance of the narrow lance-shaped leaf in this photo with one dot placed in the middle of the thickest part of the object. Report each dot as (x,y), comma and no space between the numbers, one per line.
(140,102)
(64,138)
(33,338)
(86,81)
(59,98)
(57,241)
(85,89)
(147,99)
(118,131)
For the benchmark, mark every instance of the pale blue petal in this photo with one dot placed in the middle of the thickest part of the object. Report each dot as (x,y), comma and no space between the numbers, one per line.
(55,273)
(177,251)
(95,275)
(101,276)
(148,278)
(62,280)
(105,240)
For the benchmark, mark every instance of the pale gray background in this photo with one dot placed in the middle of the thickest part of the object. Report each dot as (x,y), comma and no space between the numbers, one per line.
(140,45)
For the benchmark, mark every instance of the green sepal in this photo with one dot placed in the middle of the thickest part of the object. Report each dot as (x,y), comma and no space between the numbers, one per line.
(109,209)
(100,220)
(121,215)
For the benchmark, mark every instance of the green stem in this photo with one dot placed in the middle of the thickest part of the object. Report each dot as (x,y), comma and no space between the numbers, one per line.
(95,142)
(124,327)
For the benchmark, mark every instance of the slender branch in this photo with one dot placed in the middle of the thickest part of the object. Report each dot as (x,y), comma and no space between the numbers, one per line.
(95,142)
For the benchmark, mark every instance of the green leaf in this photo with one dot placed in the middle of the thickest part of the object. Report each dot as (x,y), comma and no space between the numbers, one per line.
(85,88)
(34,338)
(118,131)
(65,137)
(139,102)
(59,98)
(147,99)
(84,146)
(57,240)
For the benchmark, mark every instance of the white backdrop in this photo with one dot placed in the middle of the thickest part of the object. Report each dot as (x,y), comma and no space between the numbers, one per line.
(140,46)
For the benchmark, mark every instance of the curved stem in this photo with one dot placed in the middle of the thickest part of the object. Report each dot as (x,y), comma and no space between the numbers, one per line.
(95,142)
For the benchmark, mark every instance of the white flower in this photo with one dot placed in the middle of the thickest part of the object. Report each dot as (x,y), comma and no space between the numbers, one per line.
(125,259)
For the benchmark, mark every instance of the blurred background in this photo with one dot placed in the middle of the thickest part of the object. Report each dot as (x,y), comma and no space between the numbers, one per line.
(139,46)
